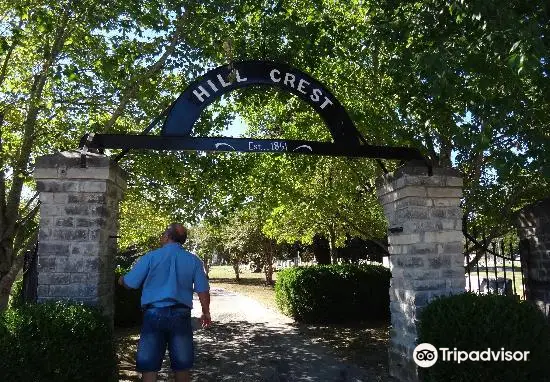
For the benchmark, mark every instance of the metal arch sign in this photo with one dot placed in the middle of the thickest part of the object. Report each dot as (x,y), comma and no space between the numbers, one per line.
(184,112)
(190,104)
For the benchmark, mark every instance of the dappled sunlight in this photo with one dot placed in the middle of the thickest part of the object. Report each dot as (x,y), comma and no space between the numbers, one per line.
(244,351)
(364,344)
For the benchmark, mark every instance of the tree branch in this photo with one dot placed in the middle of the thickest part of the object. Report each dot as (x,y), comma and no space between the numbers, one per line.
(29,124)
(131,90)
(7,280)
(4,70)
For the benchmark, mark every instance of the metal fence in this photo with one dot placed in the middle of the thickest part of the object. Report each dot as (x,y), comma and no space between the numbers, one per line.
(493,267)
(30,275)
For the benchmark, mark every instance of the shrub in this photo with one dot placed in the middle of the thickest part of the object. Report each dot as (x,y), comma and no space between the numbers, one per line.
(471,322)
(127,303)
(334,293)
(16,295)
(56,342)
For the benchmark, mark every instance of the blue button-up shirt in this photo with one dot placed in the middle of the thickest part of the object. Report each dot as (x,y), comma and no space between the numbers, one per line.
(169,275)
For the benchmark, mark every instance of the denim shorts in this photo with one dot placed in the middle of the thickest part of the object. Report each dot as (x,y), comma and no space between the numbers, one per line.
(165,326)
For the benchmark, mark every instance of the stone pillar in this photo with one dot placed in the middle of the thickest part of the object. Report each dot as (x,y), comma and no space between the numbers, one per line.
(426,251)
(533,223)
(78,228)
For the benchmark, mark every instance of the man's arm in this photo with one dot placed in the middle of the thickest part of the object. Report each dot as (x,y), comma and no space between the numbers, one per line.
(135,278)
(204,298)
(121,282)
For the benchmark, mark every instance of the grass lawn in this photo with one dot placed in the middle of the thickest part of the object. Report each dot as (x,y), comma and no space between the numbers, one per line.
(251,284)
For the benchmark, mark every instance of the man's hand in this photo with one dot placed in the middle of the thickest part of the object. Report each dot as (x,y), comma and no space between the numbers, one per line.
(206,320)
(204,298)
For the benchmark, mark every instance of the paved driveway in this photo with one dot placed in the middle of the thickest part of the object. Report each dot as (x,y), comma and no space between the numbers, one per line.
(249,342)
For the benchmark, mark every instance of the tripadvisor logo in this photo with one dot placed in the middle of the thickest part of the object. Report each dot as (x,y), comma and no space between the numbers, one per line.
(426,355)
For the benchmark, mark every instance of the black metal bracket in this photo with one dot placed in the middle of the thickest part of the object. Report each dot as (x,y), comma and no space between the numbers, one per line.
(85,142)
(395,229)
(249,145)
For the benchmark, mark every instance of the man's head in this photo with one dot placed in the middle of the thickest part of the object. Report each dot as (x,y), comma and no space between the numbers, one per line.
(175,232)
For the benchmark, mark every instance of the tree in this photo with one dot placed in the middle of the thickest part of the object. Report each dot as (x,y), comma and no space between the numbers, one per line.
(464,82)
(206,240)
(67,67)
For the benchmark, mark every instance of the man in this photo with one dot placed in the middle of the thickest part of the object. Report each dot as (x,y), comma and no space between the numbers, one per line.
(169,275)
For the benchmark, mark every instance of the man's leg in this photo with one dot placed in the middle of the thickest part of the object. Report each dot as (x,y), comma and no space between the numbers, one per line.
(183,376)
(180,345)
(151,347)
(150,376)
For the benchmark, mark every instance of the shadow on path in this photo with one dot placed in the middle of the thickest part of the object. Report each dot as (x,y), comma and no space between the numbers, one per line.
(244,351)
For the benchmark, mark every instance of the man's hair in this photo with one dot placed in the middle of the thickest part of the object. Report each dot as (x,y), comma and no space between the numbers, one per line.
(176,232)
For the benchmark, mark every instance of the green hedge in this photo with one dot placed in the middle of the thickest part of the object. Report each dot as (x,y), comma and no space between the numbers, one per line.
(56,342)
(127,303)
(16,295)
(334,293)
(471,322)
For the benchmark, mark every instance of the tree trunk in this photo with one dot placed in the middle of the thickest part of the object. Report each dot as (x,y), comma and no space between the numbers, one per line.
(321,250)
(332,243)
(4,299)
(206,262)
(6,281)
(235,263)
(269,248)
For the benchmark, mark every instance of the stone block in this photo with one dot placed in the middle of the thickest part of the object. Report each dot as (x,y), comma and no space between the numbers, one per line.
(407,261)
(73,291)
(76,210)
(93,186)
(421,248)
(59,249)
(450,248)
(70,234)
(60,198)
(46,263)
(414,201)
(424,180)
(85,249)
(72,264)
(446,202)
(397,249)
(439,261)
(85,278)
(42,291)
(91,173)
(386,198)
(412,213)
(50,210)
(45,173)
(403,239)
(452,181)
(87,197)
(445,213)
(429,284)
(454,284)
(64,222)
(413,191)
(452,273)
(53,278)
(421,274)
(442,236)
(444,192)
(44,234)
(46,197)
(419,298)
(418,225)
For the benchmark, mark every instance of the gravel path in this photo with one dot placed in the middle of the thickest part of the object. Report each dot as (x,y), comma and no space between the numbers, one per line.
(249,342)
